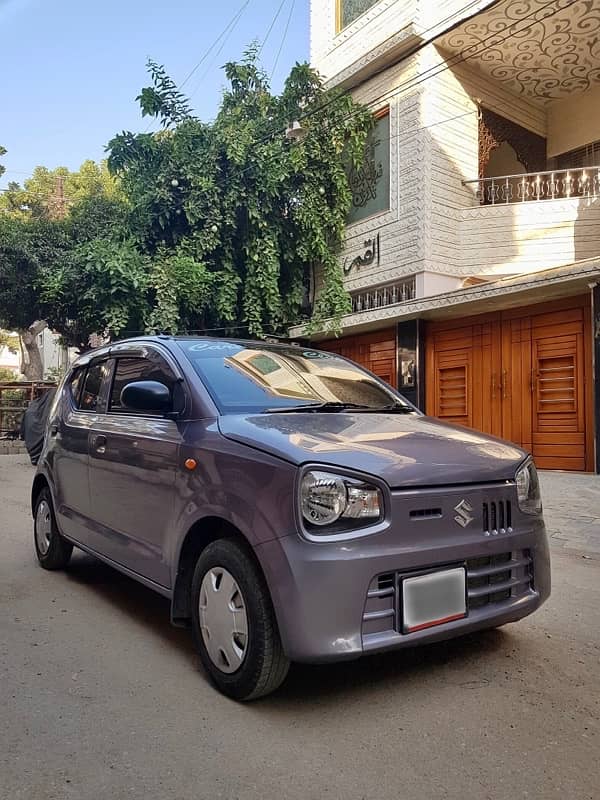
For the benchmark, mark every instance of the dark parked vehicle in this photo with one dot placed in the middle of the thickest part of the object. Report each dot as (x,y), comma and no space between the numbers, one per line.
(291,505)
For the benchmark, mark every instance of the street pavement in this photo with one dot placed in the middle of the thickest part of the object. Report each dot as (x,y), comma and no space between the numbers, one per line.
(101,698)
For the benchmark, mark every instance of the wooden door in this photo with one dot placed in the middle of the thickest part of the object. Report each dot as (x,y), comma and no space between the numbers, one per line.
(558,391)
(374,351)
(463,375)
(521,375)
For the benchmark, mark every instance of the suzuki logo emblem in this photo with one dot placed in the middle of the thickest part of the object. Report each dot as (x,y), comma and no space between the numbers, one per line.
(463,513)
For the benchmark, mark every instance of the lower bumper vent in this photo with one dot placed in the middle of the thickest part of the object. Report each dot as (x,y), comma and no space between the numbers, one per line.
(490,580)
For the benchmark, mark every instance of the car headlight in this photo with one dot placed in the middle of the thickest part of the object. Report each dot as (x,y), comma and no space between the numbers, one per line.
(327,499)
(528,488)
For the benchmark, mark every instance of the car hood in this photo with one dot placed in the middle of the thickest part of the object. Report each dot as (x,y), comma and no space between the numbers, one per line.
(402,449)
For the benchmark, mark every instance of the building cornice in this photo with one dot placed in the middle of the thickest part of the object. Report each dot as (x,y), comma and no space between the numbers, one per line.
(470,298)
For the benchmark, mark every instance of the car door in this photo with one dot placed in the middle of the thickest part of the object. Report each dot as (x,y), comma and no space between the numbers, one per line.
(67,447)
(133,459)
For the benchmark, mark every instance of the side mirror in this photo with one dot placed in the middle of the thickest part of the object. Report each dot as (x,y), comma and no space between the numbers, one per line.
(146,396)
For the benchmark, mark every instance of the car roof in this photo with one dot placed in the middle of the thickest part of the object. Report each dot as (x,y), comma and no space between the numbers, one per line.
(121,345)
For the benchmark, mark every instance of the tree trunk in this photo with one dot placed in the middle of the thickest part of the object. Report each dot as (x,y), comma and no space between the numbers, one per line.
(31,358)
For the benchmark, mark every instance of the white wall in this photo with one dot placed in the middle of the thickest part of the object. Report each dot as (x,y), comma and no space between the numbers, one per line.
(527,237)
(382,34)
(434,228)
(54,355)
(574,122)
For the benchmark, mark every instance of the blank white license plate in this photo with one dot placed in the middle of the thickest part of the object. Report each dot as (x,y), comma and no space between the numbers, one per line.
(433,599)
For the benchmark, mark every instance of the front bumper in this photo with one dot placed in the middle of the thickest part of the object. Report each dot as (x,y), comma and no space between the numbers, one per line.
(331,601)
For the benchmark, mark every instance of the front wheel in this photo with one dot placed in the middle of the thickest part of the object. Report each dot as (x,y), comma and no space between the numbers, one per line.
(234,625)
(52,550)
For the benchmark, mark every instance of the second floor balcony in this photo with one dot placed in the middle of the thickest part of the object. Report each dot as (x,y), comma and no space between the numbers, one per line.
(529,222)
(582,182)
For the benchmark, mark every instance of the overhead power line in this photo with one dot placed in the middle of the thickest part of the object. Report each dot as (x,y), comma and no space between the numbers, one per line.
(226,32)
(428,74)
(232,22)
(271,26)
(473,51)
(284,37)
(231,28)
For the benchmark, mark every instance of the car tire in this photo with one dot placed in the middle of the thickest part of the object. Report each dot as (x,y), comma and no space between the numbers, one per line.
(230,596)
(52,549)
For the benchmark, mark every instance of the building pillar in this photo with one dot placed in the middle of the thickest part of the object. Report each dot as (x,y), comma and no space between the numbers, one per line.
(411,361)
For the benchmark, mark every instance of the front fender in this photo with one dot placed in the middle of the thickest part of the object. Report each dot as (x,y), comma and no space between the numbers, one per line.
(246,488)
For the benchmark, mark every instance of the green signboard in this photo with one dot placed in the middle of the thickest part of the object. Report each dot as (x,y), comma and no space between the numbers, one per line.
(349,10)
(370,183)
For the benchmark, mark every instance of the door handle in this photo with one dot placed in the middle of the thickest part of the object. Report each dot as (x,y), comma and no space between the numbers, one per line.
(504,382)
(99,443)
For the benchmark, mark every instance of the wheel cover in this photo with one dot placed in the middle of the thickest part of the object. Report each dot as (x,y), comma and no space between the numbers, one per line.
(223,620)
(43,527)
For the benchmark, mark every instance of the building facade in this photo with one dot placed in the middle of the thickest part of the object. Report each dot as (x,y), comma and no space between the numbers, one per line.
(472,250)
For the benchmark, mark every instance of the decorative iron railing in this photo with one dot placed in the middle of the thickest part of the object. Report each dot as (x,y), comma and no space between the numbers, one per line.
(550,185)
(389,295)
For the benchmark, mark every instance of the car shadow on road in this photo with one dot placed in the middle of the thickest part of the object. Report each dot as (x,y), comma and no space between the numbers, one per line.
(133,600)
(432,664)
(307,686)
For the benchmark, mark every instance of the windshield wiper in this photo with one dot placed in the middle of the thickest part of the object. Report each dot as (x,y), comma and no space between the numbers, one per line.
(394,408)
(332,406)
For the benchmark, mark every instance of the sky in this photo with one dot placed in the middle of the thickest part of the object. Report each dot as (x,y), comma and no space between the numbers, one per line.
(70,70)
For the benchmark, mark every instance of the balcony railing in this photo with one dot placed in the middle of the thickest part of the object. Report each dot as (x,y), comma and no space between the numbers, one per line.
(389,295)
(551,185)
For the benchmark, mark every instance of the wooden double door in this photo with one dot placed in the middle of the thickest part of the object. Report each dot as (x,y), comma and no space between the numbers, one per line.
(524,375)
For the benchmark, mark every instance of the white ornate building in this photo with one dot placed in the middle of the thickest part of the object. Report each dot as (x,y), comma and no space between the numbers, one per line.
(473,244)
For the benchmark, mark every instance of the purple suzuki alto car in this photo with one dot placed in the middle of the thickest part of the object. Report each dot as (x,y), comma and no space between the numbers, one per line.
(291,505)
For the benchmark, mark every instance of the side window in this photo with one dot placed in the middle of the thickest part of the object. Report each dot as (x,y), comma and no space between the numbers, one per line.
(128,370)
(91,387)
(74,385)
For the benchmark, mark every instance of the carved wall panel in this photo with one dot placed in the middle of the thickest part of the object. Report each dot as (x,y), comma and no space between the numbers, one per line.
(494,129)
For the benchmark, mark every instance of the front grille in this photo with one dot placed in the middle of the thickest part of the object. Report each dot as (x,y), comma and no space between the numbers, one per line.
(490,579)
(497,517)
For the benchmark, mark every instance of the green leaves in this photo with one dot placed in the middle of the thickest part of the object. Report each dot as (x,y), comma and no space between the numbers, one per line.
(235,209)
(163,100)
(196,227)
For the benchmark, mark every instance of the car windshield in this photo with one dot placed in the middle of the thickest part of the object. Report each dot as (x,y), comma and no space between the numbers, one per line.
(257,378)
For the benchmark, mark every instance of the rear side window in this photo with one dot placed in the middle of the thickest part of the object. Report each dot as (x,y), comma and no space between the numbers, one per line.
(128,370)
(75,384)
(88,400)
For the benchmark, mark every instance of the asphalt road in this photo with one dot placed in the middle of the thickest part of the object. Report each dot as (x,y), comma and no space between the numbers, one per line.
(101,698)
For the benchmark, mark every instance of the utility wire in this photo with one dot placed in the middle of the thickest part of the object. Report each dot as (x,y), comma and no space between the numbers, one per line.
(427,74)
(227,30)
(271,26)
(413,52)
(453,61)
(232,27)
(411,83)
(283,38)
(422,77)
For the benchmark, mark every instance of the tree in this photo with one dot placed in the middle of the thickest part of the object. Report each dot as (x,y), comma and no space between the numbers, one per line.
(27,247)
(42,248)
(2,153)
(233,215)
(52,193)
